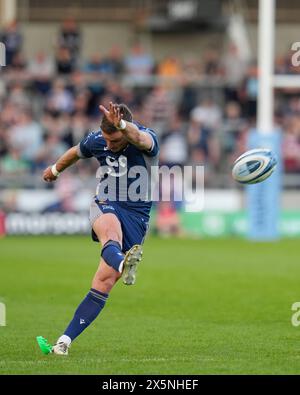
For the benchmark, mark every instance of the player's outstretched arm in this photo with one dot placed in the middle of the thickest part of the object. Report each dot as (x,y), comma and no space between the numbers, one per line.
(140,139)
(66,160)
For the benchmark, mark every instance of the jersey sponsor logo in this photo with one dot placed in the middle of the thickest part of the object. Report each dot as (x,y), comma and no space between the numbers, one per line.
(116,167)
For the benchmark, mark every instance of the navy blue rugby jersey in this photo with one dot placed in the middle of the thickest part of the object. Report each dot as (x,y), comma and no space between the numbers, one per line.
(127,176)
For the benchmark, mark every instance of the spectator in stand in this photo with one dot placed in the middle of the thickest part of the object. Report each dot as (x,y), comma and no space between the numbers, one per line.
(60,125)
(9,115)
(13,164)
(174,152)
(204,143)
(107,66)
(211,63)
(281,66)
(159,108)
(233,125)
(208,114)
(199,138)
(170,67)
(139,64)
(65,65)
(192,69)
(17,71)
(70,38)
(12,39)
(52,148)
(81,103)
(293,107)
(95,71)
(59,99)
(18,63)
(115,61)
(41,70)
(3,90)
(97,65)
(3,140)
(17,96)
(26,136)
(78,83)
(249,91)
(79,128)
(291,144)
(174,148)
(234,68)
(80,91)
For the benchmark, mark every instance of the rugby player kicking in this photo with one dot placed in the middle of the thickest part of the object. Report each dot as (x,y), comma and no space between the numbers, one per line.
(122,147)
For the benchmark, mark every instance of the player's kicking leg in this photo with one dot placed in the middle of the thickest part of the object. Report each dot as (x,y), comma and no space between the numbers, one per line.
(108,230)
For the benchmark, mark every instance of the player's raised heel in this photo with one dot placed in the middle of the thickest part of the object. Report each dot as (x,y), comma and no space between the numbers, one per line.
(132,258)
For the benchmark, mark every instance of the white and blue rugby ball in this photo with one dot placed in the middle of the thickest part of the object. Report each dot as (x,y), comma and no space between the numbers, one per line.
(254,166)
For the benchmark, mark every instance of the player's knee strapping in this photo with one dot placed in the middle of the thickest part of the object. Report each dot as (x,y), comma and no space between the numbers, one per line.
(112,254)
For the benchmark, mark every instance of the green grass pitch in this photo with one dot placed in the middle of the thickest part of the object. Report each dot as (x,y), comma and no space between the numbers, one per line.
(198,307)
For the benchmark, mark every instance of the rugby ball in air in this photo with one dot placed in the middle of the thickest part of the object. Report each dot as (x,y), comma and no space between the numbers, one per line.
(254,166)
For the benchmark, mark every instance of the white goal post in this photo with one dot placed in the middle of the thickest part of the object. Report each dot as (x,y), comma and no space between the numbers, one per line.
(263,200)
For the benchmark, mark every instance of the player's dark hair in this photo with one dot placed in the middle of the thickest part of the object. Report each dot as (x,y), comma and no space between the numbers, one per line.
(107,126)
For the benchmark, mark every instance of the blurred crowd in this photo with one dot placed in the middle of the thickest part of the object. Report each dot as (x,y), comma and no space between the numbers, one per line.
(201,107)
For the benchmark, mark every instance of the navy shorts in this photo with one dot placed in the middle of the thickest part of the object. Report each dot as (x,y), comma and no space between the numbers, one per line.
(134,226)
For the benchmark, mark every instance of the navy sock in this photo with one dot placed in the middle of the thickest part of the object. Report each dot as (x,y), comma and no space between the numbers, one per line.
(86,312)
(112,254)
